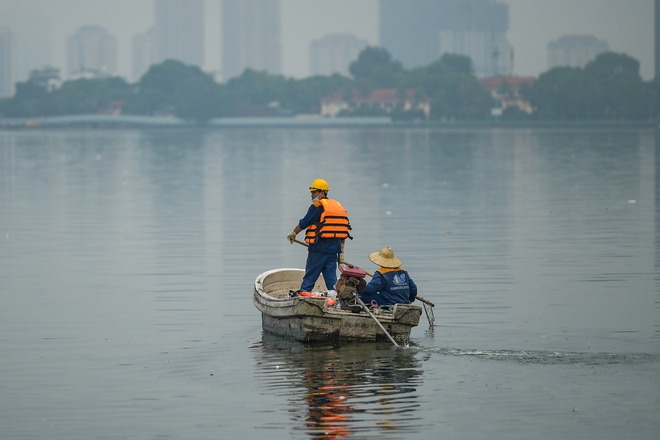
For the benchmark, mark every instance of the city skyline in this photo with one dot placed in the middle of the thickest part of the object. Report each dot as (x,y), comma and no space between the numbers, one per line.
(533,25)
(251,37)
(91,52)
(7,63)
(418,34)
(334,53)
(575,50)
(178,31)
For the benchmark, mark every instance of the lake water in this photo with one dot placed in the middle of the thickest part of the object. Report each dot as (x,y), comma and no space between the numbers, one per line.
(127,263)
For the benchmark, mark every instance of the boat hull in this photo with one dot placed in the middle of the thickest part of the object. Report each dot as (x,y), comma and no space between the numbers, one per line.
(310,319)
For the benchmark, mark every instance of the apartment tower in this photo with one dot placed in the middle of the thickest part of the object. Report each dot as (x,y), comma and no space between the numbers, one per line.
(250,37)
(419,32)
(179,31)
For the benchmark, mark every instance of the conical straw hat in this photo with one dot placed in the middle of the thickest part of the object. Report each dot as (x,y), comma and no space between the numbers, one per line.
(385,258)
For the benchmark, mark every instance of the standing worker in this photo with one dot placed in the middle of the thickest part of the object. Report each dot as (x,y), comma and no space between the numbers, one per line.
(390,284)
(327,227)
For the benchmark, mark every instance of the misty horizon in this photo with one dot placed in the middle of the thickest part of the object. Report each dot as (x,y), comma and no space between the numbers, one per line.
(532,26)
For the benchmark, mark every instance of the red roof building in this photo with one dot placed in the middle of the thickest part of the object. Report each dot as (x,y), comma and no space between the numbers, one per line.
(385,99)
(506,89)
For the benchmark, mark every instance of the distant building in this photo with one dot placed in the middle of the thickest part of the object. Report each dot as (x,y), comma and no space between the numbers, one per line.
(334,53)
(47,78)
(250,37)
(657,38)
(386,100)
(91,53)
(179,31)
(490,52)
(142,51)
(506,90)
(32,40)
(419,32)
(7,63)
(575,50)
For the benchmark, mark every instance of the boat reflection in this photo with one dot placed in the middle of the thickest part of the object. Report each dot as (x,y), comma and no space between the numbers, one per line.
(332,392)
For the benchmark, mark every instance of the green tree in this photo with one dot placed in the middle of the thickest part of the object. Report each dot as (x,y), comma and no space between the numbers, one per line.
(452,63)
(608,88)
(185,91)
(305,95)
(257,87)
(29,100)
(610,65)
(454,90)
(566,93)
(460,96)
(653,94)
(375,65)
(625,96)
(84,96)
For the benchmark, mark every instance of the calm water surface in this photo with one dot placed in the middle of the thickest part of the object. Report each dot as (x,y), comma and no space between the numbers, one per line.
(127,260)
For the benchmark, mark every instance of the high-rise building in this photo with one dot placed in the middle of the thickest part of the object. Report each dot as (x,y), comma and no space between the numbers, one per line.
(179,31)
(142,53)
(91,53)
(419,32)
(250,36)
(7,63)
(47,78)
(32,39)
(334,53)
(575,50)
(657,38)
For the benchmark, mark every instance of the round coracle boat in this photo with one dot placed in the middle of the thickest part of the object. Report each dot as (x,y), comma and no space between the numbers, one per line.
(319,317)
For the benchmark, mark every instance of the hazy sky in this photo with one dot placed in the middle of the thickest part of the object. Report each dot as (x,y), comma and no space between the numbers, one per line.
(627,25)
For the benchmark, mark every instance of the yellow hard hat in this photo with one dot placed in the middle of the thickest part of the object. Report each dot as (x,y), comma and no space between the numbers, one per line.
(319,184)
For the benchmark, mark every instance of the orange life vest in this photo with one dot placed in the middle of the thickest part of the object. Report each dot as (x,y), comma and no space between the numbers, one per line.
(331,301)
(334,223)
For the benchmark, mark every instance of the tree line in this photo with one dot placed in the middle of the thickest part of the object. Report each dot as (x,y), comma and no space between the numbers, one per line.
(608,88)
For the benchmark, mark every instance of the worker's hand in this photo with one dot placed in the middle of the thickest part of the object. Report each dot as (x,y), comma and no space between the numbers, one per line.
(292,236)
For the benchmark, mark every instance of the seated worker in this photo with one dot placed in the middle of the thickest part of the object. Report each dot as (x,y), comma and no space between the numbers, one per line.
(390,284)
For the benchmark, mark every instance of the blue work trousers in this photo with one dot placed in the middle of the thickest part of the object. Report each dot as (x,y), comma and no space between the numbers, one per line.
(318,263)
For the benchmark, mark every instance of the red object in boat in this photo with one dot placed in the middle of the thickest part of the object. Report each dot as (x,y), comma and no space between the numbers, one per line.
(352,271)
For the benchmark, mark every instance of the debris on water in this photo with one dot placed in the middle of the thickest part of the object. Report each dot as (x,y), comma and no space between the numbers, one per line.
(575,409)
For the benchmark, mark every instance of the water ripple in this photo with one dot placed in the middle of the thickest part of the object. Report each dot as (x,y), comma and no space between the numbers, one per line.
(546,357)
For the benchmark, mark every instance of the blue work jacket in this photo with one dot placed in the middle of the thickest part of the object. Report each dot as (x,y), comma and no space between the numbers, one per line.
(389,287)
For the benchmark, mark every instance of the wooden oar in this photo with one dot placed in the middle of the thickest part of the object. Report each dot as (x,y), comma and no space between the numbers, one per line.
(366,309)
(428,311)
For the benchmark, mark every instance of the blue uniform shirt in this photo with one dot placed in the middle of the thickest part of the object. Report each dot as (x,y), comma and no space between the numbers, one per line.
(323,245)
(389,287)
